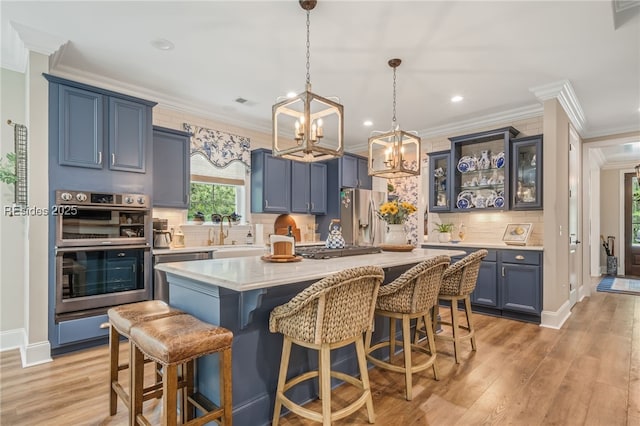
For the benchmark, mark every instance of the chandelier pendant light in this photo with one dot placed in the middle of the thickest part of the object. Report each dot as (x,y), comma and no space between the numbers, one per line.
(394,153)
(308,127)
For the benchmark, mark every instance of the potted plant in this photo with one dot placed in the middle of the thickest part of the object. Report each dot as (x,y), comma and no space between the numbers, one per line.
(445,231)
(395,213)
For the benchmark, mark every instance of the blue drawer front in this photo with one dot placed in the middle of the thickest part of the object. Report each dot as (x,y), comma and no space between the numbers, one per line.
(521,256)
(491,255)
(82,329)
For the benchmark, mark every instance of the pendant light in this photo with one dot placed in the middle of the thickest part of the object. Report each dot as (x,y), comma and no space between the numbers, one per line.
(394,153)
(308,127)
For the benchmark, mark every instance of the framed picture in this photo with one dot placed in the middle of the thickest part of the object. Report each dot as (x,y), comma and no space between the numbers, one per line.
(517,233)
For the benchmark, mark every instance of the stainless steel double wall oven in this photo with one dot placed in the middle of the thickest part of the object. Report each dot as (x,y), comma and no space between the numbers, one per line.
(103,254)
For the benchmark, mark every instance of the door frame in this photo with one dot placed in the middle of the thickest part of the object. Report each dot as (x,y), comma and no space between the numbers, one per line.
(575,246)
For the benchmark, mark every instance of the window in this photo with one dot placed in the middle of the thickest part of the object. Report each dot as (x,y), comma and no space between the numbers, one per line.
(210,198)
(216,190)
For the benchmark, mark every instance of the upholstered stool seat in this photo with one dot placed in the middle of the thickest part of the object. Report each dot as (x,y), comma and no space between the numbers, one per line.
(458,282)
(121,319)
(331,313)
(172,342)
(410,296)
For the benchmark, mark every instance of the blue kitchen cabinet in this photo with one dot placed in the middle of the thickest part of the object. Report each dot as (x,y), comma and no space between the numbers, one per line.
(270,183)
(440,181)
(308,187)
(509,283)
(171,165)
(354,172)
(300,189)
(81,127)
(95,127)
(129,125)
(520,284)
(526,173)
(318,188)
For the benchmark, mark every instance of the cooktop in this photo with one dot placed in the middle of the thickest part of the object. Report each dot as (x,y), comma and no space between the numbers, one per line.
(327,253)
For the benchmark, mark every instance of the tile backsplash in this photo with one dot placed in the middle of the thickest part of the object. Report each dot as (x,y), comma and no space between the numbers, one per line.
(196,235)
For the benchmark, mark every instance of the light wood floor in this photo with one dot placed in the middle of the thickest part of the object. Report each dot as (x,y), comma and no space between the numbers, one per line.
(587,373)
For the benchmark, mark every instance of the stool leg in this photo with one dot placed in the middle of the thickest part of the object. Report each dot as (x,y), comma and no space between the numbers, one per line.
(114,359)
(416,336)
(225,386)
(435,315)
(325,378)
(282,377)
(406,346)
(136,384)
(467,310)
(188,374)
(169,393)
(432,343)
(364,376)
(392,338)
(454,325)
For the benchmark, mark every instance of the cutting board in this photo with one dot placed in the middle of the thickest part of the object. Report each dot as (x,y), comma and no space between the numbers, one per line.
(283,222)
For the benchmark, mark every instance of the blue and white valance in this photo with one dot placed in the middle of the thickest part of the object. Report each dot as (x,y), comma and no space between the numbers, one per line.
(220,148)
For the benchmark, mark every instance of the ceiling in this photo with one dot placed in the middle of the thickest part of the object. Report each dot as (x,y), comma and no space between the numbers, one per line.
(496,54)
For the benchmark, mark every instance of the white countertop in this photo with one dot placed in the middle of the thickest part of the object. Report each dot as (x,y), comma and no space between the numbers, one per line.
(219,247)
(250,273)
(501,246)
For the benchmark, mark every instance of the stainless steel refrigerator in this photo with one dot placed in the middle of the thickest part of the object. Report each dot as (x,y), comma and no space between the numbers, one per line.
(360,224)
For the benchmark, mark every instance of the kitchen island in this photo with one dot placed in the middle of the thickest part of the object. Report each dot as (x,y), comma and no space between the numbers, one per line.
(239,294)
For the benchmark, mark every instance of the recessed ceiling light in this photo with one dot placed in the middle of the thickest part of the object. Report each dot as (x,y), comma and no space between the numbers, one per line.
(457,98)
(368,123)
(291,95)
(162,44)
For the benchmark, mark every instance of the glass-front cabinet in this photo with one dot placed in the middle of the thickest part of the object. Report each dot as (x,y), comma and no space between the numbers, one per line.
(481,170)
(526,173)
(439,181)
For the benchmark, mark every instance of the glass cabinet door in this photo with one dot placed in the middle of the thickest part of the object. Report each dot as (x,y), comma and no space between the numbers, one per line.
(481,165)
(526,173)
(439,178)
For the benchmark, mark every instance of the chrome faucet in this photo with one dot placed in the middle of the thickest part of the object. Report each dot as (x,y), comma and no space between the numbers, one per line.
(224,235)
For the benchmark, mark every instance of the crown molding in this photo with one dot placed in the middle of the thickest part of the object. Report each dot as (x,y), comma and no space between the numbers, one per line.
(163,100)
(15,57)
(500,118)
(597,156)
(564,93)
(23,39)
(612,131)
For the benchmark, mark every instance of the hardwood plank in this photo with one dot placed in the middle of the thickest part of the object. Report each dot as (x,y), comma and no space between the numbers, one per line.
(586,373)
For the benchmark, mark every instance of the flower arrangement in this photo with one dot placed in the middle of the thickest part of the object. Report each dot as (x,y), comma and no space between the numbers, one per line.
(396,212)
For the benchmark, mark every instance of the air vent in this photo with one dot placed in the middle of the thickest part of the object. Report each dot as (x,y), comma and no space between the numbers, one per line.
(241,100)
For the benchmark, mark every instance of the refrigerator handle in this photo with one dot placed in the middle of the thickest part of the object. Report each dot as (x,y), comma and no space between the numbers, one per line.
(372,221)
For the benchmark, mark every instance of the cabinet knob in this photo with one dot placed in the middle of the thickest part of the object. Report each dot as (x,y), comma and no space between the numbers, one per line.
(519,257)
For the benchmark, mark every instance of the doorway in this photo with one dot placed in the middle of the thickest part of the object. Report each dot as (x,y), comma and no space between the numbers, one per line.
(631,238)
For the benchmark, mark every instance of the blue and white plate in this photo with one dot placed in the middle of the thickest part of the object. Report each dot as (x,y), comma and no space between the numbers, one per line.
(463,203)
(500,162)
(463,166)
(499,202)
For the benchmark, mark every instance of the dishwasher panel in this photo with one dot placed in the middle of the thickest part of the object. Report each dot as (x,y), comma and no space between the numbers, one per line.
(160,285)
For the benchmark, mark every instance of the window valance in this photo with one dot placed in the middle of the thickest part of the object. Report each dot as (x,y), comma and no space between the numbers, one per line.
(220,148)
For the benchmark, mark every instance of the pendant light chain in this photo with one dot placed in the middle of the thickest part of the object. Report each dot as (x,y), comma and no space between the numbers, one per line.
(308,50)
(394,95)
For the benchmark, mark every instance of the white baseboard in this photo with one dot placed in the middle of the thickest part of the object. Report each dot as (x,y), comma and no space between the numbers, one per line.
(555,319)
(12,339)
(583,292)
(36,353)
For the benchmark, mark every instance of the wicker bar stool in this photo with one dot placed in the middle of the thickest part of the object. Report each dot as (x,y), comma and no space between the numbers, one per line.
(121,319)
(329,314)
(458,283)
(410,296)
(177,342)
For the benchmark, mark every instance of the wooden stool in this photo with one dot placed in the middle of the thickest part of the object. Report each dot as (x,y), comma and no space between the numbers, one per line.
(172,342)
(329,314)
(121,319)
(410,296)
(458,283)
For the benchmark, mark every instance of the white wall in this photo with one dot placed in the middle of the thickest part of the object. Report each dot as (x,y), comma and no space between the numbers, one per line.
(611,205)
(12,228)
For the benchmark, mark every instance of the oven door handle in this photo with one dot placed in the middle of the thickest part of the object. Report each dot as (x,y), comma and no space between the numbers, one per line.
(100,248)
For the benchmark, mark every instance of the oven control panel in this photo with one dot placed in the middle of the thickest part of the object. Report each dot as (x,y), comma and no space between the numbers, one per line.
(86,198)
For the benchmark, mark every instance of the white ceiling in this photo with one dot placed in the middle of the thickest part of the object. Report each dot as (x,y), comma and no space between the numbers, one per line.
(492,53)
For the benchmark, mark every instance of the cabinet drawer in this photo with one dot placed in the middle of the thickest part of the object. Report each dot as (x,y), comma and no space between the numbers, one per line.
(490,257)
(521,256)
(82,329)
